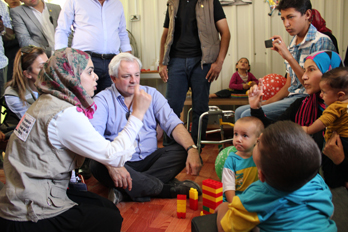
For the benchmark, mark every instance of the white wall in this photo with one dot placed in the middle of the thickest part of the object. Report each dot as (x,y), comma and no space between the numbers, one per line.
(250,25)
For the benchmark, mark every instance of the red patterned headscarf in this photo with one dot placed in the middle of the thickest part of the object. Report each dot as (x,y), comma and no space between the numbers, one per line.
(60,77)
(319,22)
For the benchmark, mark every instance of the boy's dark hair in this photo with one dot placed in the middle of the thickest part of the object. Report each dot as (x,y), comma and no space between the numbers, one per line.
(289,158)
(248,63)
(258,123)
(300,5)
(337,78)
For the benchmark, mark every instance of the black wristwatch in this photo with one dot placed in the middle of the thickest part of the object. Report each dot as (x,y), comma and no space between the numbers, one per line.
(192,146)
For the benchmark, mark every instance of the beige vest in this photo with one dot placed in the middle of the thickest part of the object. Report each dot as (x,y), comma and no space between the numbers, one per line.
(37,174)
(9,91)
(207,32)
(11,119)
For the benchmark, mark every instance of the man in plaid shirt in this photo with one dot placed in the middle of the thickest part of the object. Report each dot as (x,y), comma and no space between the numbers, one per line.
(295,16)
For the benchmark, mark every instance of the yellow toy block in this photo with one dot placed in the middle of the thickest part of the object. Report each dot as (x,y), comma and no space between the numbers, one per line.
(215,191)
(193,194)
(213,199)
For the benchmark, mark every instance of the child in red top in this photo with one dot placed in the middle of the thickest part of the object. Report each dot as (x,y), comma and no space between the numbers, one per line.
(240,82)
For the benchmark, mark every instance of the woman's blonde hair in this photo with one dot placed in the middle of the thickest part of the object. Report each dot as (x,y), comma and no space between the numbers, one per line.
(25,57)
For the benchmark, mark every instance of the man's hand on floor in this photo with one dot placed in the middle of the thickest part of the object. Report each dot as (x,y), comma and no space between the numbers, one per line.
(121,177)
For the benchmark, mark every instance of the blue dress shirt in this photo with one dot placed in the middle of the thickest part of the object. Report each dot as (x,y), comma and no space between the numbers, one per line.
(110,118)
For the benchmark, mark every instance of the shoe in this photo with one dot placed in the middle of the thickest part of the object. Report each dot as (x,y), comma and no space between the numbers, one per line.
(184,188)
(115,196)
(174,182)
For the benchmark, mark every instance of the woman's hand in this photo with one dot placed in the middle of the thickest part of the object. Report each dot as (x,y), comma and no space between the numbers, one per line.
(255,96)
(141,102)
(334,149)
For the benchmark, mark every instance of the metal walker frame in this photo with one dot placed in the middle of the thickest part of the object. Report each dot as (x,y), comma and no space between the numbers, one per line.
(213,110)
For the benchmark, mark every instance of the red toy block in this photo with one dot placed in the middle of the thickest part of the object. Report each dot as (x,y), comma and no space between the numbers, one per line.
(206,212)
(181,215)
(212,183)
(212,194)
(211,204)
(181,206)
(193,204)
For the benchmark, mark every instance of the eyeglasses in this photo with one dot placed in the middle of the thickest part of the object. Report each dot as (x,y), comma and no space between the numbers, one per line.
(27,49)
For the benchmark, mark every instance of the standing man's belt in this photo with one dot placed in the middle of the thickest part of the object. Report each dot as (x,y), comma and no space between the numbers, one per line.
(101,56)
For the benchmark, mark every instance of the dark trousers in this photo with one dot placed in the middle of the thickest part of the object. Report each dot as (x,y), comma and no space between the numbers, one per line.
(148,175)
(101,68)
(184,73)
(93,213)
(336,175)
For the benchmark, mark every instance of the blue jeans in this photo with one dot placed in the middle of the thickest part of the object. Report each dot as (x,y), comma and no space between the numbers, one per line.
(101,68)
(182,74)
(272,111)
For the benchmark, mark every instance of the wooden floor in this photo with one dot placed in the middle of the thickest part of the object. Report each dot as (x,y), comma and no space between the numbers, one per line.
(159,215)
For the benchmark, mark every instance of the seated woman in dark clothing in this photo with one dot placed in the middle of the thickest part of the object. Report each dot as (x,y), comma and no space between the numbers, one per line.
(305,111)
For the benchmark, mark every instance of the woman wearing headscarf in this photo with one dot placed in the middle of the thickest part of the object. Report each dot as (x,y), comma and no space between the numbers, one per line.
(304,111)
(51,140)
(320,24)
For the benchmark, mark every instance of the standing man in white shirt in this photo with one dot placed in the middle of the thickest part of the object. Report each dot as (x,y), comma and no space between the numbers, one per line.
(35,22)
(6,33)
(100,30)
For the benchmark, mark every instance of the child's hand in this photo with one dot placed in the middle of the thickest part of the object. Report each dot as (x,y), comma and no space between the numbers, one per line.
(255,96)
(246,86)
(252,83)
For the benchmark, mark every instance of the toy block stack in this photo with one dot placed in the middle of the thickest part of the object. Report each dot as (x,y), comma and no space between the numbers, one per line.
(212,195)
(181,206)
(193,199)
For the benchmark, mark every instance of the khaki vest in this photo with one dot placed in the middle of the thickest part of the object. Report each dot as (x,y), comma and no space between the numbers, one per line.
(9,91)
(37,174)
(207,32)
(11,118)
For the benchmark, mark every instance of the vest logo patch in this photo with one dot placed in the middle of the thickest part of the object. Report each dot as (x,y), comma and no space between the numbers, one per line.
(24,126)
